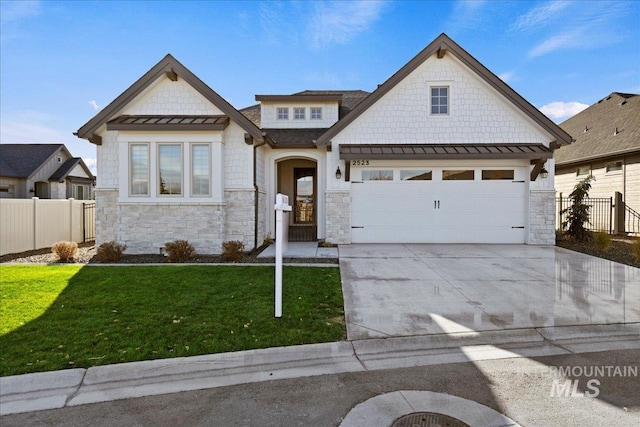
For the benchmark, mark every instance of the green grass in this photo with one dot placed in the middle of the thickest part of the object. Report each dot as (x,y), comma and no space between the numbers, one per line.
(57,317)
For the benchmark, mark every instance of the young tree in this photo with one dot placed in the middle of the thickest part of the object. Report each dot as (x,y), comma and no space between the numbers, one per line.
(578,213)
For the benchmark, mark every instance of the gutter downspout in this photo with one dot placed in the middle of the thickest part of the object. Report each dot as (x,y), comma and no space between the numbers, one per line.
(256,207)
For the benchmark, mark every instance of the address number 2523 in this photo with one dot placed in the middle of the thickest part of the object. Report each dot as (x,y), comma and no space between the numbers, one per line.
(359,162)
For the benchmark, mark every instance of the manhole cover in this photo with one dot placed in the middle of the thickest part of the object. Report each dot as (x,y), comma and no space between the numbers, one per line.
(427,419)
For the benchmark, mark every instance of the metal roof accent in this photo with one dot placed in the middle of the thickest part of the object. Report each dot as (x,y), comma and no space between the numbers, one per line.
(443,151)
(294,137)
(170,122)
(444,44)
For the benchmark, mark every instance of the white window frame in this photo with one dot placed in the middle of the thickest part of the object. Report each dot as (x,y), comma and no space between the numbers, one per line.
(318,111)
(613,171)
(130,180)
(191,168)
(431,105)
(580,168)
(296,110)
(181,145)
(285,111)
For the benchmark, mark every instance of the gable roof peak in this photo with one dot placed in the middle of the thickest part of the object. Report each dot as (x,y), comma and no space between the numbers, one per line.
(173,69)
(441,46)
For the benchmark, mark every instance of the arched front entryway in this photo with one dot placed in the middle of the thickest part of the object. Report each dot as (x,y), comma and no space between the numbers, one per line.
(283,170)
(298,179)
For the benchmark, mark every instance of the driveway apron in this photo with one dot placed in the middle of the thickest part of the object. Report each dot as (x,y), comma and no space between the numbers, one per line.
(421,289)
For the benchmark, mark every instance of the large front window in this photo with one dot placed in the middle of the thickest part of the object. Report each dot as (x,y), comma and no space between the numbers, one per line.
(139,169)
(200,170)
(170,169)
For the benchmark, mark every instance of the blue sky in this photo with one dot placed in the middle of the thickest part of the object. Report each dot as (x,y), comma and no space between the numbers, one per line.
(61,62)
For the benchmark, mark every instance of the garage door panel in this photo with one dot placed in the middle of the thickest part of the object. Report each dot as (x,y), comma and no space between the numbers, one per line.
(489,211)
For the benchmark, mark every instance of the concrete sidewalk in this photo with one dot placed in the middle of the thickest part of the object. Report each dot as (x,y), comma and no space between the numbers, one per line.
(51,390)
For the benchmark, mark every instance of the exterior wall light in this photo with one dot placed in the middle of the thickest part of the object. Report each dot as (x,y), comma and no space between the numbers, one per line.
(544,173)
(338,173)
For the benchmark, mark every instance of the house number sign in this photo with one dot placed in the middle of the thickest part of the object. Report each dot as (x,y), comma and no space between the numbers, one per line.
(359,162)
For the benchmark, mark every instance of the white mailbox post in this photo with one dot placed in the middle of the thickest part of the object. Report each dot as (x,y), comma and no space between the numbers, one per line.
(282,208)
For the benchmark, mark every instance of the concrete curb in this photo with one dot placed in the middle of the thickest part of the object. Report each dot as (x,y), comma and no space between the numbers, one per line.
(52,390)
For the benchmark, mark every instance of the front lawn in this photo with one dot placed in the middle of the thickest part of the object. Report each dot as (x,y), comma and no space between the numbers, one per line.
(67,316)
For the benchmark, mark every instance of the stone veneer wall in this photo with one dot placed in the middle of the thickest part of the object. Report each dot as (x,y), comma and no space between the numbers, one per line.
(542,217)
(145,228)
(240,216)
(338,217)
(106,215)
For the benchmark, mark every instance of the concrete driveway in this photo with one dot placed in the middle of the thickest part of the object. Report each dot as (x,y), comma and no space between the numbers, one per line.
(420,289)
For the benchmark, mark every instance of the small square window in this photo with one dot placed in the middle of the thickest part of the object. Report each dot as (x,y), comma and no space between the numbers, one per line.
(283,114)
(298,113)
(415,175)
(316,113)
(614,167)
(440,100)
(458,175)
(583,171)
(377,175)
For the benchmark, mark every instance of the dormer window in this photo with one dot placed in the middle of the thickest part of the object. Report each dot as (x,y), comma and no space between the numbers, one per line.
(298,113)
(316,113)
(283,114)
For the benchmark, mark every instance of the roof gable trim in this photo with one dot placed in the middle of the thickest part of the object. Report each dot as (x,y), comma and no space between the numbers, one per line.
(173,69)
(441,46)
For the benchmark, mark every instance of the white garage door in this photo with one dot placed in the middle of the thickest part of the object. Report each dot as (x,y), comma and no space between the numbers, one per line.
(439,205)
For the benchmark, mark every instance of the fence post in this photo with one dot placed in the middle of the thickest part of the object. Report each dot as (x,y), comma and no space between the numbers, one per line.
(618,214)
(560,227)
(71,199)
(35,222)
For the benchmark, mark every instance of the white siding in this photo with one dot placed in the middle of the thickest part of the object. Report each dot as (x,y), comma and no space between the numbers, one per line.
(478,114)
(169,97)
(268,113)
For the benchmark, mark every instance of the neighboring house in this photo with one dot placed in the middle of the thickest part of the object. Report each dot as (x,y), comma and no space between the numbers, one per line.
(48,171)
(442,152)
(607,146)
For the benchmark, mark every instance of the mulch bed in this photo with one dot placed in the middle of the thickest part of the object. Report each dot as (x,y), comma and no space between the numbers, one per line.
(621,250)
(87,255)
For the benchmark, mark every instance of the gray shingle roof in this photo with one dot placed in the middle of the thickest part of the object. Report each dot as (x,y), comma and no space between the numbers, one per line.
(64,170)
(617,110)
(21,160)
(295,136)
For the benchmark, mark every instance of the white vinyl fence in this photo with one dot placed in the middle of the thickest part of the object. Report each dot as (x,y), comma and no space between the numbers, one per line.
(27,224)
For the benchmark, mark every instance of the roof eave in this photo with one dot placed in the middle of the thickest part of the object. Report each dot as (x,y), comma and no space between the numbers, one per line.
(635,150)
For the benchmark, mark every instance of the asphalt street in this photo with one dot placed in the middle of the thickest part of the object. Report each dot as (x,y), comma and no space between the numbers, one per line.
(521,388)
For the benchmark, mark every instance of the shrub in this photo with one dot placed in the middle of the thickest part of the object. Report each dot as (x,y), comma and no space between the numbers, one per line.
(65,251)
(578,213)
(602,241)
(636,249)
(232,251)
(179,251)
(110,252)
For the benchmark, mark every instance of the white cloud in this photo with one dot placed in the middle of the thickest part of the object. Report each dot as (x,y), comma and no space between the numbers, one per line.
(584,25)
(466,15)
(340,22)
(12,15)
(94,104)
(91,164)
(506,76)
(541,15)
(559,111)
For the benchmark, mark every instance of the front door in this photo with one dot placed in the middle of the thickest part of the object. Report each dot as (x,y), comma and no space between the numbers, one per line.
(304,206)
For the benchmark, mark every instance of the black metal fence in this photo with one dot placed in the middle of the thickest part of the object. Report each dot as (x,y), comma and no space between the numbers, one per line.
(600,211)
(631,221)
(89,221)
